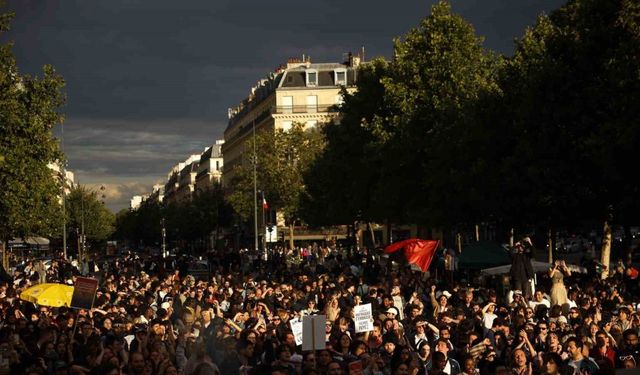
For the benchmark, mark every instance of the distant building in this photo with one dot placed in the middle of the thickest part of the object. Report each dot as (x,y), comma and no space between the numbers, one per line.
(157,193)
(210,167)
(181,180)
(300,92)
(136,201)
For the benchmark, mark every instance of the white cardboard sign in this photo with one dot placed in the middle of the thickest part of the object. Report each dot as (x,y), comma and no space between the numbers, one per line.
(363,318)
(296,328)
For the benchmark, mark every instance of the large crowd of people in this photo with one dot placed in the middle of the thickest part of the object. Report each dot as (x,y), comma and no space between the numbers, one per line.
(150,316)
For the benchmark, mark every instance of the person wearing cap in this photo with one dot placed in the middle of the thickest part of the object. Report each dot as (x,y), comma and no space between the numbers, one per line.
(451,366)
(439,303)
(392,312)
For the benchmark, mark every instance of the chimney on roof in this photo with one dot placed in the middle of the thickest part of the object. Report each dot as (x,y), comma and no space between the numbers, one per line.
(352,61)
(295,62)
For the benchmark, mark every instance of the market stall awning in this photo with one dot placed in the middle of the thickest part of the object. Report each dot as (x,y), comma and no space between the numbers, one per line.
(29,241)
(537,267)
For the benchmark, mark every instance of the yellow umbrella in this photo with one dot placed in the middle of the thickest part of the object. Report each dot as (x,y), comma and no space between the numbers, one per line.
(49,294)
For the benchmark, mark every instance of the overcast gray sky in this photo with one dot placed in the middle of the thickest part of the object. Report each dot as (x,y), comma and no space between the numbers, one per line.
(149,82)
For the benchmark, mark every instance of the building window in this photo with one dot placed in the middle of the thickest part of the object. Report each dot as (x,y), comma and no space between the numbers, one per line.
(217,165)
(312,104)
(312,78)
(286,125)
(287,104)
(340,77)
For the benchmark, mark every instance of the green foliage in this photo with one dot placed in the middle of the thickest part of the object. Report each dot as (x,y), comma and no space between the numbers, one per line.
(283,157)
(448,133)
(572,91)
(83,207)
(186,223)
(342,179)
(141,227)
(241,196)
(28,111)
(398,153)
(439,73)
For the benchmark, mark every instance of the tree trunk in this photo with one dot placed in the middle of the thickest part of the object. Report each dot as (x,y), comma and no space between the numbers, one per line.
(373,236)
(291,236)
(605,257)
(5,255)
(359,237)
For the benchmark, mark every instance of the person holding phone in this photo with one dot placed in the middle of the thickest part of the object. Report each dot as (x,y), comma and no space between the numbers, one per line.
(558,290)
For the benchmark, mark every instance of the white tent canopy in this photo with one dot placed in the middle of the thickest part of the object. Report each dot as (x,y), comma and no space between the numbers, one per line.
(32,241)
(537,267)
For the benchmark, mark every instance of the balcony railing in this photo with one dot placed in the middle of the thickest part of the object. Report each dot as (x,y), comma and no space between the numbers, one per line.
(311,108)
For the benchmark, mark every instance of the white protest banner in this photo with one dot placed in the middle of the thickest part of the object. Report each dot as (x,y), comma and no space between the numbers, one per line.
(296,329)
(313,332)
(363,318)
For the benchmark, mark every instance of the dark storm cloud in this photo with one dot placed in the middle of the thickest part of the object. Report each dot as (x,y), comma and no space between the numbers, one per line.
(131,148)
(149,82)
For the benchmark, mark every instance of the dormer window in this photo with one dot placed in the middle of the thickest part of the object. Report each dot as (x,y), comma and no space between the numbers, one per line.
(312,77)
(340,77)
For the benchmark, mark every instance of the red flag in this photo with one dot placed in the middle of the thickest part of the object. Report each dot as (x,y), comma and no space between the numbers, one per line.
(399,245)
(417,251)
(265,206)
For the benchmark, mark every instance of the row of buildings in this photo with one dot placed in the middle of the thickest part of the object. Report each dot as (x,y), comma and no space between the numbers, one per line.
(296,92)
(198,172)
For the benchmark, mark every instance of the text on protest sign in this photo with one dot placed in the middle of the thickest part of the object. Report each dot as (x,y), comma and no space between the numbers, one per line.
(363,318)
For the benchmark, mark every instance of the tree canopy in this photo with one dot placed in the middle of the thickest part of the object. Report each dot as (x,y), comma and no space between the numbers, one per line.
(29,109)
(448,133)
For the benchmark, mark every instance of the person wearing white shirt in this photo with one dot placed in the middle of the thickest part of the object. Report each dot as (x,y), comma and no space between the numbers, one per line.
(488,315)
(539,299)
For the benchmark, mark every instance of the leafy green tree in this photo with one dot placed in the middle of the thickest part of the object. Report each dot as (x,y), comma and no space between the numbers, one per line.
(341,181)
(439,72)
(86,210)
(211,211)
(29,109)
(401,152)
(241,196)
(571,95)
(283,157)
(126,227)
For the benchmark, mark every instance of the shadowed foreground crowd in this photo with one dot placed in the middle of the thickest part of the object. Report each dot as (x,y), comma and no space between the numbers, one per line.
(151,317)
